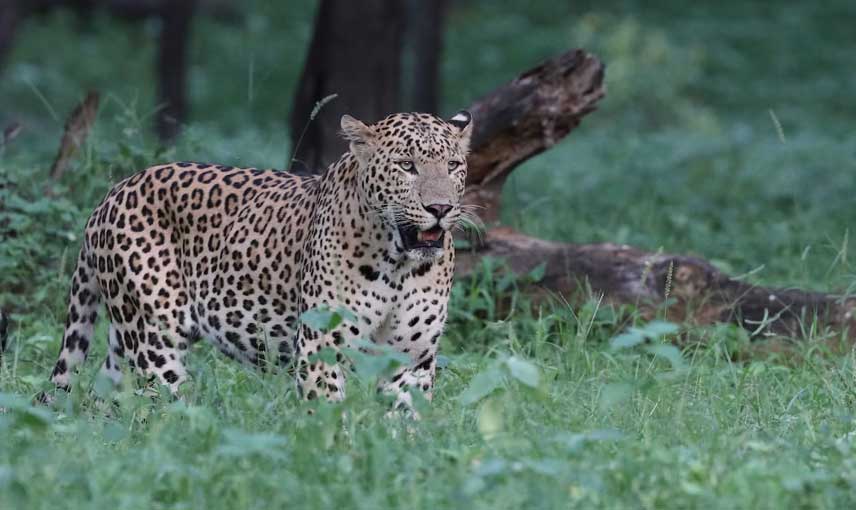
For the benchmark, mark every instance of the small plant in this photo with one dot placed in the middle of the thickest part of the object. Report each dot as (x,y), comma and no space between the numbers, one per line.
(315,111)
(649,339)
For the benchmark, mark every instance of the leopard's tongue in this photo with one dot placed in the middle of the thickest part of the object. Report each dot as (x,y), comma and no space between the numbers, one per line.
(429,235)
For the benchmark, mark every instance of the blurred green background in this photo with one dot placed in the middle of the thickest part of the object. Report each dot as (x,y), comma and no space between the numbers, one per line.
(726,130)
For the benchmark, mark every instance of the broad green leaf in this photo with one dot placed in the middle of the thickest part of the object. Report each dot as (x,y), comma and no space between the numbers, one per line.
(326,355)
(670,352)
(656,329)
(325,319)
(492,467)
(481,385)
(635,336)
(346,314)
(631,338)
(25,413)
(320,319)
(524,371)
(381,362)
(490,418)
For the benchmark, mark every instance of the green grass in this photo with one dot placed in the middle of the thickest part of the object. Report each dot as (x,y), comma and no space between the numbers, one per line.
(726,132)
(602,429)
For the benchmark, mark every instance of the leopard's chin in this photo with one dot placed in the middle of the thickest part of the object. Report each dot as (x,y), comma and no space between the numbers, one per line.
(422,245)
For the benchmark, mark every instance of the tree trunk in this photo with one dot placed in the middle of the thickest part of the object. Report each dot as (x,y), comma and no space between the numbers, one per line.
(355,53)
(532,113)
(9,17)
(425,21)
(172,68)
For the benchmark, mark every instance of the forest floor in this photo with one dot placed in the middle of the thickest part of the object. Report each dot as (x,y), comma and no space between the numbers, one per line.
(727,132)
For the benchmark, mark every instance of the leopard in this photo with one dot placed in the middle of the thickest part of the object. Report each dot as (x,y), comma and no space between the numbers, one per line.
(186,251)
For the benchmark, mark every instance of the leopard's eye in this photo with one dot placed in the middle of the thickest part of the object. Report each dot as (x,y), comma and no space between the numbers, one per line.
(407,166)
(453,165)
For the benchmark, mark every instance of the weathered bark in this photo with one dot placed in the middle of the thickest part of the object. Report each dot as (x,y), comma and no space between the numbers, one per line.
(526,117)
(355,53)
(626,275)
(529,115)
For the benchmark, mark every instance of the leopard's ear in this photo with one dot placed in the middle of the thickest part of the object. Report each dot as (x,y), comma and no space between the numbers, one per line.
(462,122)
(362,137)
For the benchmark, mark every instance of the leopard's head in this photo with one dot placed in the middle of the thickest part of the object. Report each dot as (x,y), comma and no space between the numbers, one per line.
(412,168)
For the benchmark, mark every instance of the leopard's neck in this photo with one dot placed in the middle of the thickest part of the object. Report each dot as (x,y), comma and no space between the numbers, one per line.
(350,222)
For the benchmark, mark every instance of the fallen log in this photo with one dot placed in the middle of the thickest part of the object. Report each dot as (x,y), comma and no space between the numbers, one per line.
(528,116)
(699,293)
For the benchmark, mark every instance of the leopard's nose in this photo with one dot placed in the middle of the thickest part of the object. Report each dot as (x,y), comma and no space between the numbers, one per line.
(438,210)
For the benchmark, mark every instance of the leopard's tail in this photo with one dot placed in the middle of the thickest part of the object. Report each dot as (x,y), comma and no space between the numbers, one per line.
(84,299)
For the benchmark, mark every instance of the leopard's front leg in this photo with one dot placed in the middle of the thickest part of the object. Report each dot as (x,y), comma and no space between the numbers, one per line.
(415,330)
(419,376)
(315,377)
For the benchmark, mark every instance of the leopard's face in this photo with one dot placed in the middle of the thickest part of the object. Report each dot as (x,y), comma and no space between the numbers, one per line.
(412,173)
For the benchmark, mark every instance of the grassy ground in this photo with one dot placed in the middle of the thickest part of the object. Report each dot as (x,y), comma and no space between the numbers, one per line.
(727,132)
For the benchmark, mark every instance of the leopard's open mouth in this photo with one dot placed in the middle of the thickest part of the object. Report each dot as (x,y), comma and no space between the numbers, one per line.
(414,239)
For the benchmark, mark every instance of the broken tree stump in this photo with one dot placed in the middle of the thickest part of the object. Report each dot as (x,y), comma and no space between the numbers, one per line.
(526,117)
(77,128)
(535,111)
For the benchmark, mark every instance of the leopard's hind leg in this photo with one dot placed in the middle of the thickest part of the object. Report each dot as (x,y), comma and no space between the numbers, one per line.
(154,351)
(84,300)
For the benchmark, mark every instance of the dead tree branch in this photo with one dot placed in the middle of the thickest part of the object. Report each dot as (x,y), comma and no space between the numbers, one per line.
(532,113)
